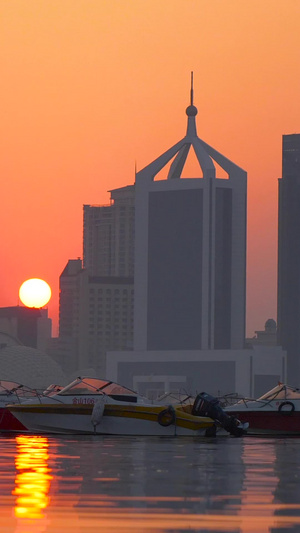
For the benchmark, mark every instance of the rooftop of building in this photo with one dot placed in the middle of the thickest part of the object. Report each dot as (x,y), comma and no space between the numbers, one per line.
(206,155)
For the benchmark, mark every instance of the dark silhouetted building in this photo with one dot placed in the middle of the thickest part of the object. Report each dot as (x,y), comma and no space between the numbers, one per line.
(190,250)
(288,321)
(28,325)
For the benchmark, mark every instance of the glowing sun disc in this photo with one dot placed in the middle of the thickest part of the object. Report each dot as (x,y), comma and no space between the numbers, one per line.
(35,292)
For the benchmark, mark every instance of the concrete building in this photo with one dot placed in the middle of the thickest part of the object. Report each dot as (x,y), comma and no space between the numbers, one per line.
(108,235)
(250,371)
(189,282)
(265,337)
(25,334)
(96,295)
(190,251)
(96,315)
(28,325)
(288,319)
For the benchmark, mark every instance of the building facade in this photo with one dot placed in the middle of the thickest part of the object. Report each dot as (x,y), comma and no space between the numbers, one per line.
(288,318)
(190,281)
(249,372)
(96,296)
(96,316)
(29,326)
(190,251)
(108,235)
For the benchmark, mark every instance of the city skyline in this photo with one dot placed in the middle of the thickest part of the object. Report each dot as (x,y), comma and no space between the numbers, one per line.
(83,106)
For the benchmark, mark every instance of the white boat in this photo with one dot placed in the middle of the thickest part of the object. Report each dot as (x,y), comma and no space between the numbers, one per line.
(277,412)
(91,405)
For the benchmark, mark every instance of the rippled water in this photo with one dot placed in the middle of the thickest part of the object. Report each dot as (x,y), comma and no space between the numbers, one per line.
(142,484)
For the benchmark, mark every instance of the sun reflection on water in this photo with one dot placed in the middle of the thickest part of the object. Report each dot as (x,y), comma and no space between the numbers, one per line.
(33,477)
(80,485)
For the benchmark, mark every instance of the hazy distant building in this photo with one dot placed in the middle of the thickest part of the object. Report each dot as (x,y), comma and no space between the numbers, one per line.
(25,333)
(289,256)
(266,337)
(190,251)
(249,371)
(108,235)
(96,297)
(96,315)
(28,325)
(28,366)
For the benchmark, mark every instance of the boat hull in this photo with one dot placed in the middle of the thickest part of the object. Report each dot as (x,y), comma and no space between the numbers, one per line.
(8,422)
(269,422)
(116,420)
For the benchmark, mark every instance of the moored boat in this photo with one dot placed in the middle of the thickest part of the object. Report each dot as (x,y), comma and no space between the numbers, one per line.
(277,412)
(12,392)
(96,406)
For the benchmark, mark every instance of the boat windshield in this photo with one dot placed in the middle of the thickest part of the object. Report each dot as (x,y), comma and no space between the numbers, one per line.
(117,390)
(84,386)
(281,392)
(95,386)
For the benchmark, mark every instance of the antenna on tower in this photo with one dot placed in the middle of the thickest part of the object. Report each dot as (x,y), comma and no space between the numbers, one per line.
(192,88)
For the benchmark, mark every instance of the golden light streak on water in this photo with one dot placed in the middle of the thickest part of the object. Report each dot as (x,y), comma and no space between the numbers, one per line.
(33,477)
(92,521)
(259,485)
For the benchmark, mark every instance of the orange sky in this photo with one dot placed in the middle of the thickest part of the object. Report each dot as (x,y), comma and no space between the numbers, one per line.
(88,87)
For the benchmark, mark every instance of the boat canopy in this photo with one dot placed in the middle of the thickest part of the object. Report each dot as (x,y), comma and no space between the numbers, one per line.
(281,391)
(95,386)
(12,387)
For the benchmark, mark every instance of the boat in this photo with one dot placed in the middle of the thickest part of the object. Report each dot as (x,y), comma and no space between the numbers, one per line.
(95,406)
(12,392)
(277,412)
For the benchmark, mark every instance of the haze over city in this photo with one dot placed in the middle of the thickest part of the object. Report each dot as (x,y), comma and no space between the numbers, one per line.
(92,90)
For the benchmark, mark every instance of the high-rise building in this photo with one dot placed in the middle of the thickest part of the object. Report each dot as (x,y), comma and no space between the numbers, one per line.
(190,251)
(96,297)
(96,316)
(189,281)
(108,235)
(288,320)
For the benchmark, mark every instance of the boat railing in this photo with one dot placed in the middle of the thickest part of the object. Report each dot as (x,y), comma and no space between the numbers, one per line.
(30,394)
(41,395)
(227,400)
(20,394)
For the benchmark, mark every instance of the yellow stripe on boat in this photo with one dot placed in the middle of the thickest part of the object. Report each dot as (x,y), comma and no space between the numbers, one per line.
(141,412)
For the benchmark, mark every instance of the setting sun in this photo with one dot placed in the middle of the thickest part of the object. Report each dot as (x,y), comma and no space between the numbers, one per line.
(35,293)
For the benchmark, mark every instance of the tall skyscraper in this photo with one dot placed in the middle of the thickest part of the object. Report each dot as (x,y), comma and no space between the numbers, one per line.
(96,298)
(288,321)
(108,235)
(190,280)
(190,251)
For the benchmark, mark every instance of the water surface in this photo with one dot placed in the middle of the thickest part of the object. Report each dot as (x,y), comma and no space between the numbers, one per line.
(141,484)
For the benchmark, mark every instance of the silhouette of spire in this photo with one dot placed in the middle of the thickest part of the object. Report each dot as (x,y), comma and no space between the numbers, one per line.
(205,154)
(192,88)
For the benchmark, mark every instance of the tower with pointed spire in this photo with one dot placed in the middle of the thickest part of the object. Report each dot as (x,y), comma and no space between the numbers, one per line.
(190,250)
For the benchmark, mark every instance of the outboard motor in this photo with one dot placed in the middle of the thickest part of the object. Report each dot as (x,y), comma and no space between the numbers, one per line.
(206,405)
